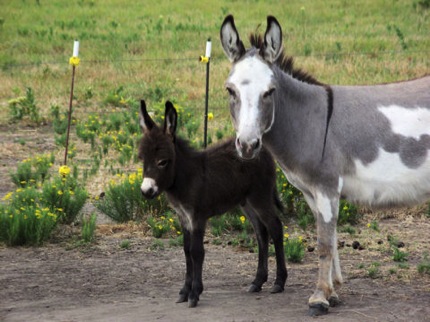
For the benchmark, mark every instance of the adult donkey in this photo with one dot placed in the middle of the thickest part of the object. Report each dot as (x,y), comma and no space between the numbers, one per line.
(369,144)
(203,184)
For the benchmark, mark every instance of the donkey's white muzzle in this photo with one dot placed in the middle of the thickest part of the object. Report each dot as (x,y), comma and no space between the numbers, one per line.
(248,149)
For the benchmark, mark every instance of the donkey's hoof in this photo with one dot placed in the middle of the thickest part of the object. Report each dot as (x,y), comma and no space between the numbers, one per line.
(254,288)
(182,298)
(192,302)
(276,289)
(317,309)
(334,301)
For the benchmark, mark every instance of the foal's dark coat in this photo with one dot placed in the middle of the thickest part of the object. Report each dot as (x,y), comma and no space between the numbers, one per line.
(202,184)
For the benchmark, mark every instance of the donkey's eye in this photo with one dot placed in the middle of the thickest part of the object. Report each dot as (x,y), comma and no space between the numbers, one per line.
(162,163)
(268,93)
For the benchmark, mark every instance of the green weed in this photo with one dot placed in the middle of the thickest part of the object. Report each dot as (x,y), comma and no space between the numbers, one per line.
(25,106)
(33,170)
(399,256)
(294,250)
(373,270)
(123,200)
(88,228)
(64,196)
(125,244)
(424,266)
(161,225)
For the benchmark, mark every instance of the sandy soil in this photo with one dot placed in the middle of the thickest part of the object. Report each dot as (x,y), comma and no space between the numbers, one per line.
(103,282)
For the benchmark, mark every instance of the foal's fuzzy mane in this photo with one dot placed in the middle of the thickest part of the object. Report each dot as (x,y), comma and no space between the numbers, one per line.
(285,62)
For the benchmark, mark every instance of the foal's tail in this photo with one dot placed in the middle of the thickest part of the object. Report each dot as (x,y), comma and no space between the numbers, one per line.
(279,203)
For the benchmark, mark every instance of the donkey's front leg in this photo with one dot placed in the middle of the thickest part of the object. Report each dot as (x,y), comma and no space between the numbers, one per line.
(325,211)
(186,289)
(197,253)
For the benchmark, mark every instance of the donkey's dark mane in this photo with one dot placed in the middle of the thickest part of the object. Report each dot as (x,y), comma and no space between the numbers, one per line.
(285,62)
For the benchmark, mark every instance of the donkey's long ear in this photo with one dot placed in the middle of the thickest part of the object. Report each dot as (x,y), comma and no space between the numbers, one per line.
(272,40)
(145,121)
(230,40)
(170,119)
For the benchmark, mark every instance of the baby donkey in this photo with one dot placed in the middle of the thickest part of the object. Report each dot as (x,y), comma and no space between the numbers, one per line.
(202,184)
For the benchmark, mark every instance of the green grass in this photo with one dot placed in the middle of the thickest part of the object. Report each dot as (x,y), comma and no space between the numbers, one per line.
(151,49)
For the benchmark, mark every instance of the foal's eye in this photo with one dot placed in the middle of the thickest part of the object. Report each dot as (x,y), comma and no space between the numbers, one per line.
(268,93)
(162,163)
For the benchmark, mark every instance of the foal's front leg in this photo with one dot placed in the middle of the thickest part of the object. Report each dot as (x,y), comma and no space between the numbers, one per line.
(197,253)
(186,289)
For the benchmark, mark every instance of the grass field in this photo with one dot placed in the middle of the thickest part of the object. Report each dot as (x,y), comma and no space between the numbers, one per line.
(150,49)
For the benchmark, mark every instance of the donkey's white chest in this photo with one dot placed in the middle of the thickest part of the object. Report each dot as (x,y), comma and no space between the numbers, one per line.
(387,181)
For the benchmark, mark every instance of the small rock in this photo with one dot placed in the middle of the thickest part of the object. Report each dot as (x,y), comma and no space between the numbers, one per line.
(311,249)
(400,244)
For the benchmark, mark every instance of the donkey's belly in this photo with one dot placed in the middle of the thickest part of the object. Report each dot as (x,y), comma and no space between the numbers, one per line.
(388,182)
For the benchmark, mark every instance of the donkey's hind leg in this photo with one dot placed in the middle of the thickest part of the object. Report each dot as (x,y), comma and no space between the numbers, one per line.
(263,249)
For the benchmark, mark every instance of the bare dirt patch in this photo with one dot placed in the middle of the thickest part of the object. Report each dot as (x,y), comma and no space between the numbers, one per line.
(103,282)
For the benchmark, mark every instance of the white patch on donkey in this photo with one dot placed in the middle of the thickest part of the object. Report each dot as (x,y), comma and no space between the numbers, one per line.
(410,122)
(387,181)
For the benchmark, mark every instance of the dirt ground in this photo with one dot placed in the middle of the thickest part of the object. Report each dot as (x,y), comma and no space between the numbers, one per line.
(104,282)
(65,281)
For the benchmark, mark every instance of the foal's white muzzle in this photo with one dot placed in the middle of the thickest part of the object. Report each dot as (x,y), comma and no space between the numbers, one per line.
(149,188)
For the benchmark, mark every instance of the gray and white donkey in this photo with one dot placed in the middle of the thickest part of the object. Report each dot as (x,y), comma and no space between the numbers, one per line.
(368,144)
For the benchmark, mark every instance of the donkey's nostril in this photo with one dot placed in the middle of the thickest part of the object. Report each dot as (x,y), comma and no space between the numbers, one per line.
(256,144)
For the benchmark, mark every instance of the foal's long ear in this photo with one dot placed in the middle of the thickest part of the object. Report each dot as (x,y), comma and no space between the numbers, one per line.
(170,119)
(272,40)
(230,40)
(145,121)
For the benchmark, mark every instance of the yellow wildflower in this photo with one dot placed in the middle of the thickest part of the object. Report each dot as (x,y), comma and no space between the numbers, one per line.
(286,235)
(60,192)
(242,219)
(210,116)
(8,196)
(64,170)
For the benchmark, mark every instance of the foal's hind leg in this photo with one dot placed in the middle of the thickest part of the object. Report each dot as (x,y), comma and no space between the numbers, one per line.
(267,216)
(263,249)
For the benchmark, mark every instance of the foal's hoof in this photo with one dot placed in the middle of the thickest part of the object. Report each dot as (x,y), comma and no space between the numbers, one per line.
(192,302)
(317,309)
(254,288)
(182,298)
(276,289)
